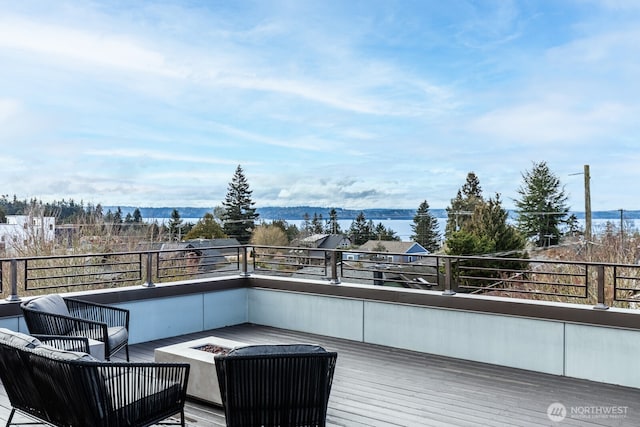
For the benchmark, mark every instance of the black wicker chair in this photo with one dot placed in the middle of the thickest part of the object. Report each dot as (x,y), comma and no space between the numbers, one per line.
(276,385)
(67,388)
(56,315)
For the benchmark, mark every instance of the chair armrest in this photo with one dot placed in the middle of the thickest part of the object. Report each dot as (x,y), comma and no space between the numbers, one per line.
(64,342)
(112,316)
(60,324)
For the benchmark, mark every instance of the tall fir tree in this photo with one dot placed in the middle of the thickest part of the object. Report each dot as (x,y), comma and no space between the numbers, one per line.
(463,205)
(137,216)
(489,220)
(380,232)
(317,224)
(487,232)
(425,228)
(360,230)
(333,226)
(206,228)
(542,206)
(175,225)
(239,214)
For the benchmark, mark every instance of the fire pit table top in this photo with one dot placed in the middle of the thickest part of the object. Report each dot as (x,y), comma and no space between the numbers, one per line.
(203,380)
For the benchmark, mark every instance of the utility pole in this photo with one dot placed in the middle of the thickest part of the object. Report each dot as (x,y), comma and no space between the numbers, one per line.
(621,230)
(587,205)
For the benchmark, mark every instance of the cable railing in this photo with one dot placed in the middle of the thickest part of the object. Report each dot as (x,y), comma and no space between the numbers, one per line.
(599,284)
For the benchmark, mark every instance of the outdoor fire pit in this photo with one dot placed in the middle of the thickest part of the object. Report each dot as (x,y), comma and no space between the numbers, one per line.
(203,380)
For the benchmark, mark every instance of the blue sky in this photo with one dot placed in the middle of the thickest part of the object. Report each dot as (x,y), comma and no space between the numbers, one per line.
(353,104)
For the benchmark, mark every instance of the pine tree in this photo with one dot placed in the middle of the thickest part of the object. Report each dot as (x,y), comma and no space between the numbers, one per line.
(239,214)
(137,216)
(317,226)
(117,217)
(175,225)
(333,226)
(487,232)
(489,220)
(380,232)
(206,228)
(542,206)
(463,205)
(425,228)
(360,230)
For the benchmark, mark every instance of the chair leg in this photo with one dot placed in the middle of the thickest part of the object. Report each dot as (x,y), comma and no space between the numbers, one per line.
(126,349)
(13,411)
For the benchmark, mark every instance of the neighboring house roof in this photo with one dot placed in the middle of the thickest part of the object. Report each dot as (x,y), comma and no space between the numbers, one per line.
(217,243)
(186,244)
(333,241)
(394,247)
(207,243)
(325,241)
(313,241)
(207,256)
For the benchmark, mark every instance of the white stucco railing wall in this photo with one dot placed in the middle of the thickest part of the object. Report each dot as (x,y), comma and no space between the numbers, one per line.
(598,353)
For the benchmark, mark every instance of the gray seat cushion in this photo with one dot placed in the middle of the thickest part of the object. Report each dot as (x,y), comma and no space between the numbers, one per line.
(18,339)
(56,353)
(118,336)
(52,303)
(274,349)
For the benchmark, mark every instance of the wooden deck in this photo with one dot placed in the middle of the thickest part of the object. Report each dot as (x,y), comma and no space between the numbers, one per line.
(381,386)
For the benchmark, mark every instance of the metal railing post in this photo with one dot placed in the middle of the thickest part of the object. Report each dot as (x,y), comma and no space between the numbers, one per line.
(13,281)
(601,305)
(245,263)
(335,280)
(448,278)
(149,271)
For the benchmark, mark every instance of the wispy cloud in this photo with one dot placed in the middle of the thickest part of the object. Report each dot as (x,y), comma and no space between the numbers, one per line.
(66,44)
(151,155)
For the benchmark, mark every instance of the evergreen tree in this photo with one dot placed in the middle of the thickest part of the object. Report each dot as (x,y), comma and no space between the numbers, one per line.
(333,226)
(306,222)
(360,230)
(175,225)
(317,226)
(380,232)
(97,214)
(542,205)
(239,214)
(206,228)
(487,232)
(463,205)
(425,228)
(137,216)
(108,218)
(290,230)
(489,220)
(117,217)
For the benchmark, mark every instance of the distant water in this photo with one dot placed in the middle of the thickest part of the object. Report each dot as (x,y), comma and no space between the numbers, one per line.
(403,230)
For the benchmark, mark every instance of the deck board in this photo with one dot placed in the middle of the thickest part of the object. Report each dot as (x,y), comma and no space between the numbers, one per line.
(381,386)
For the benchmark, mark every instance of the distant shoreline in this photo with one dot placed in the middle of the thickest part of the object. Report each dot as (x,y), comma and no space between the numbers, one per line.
(298,212)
